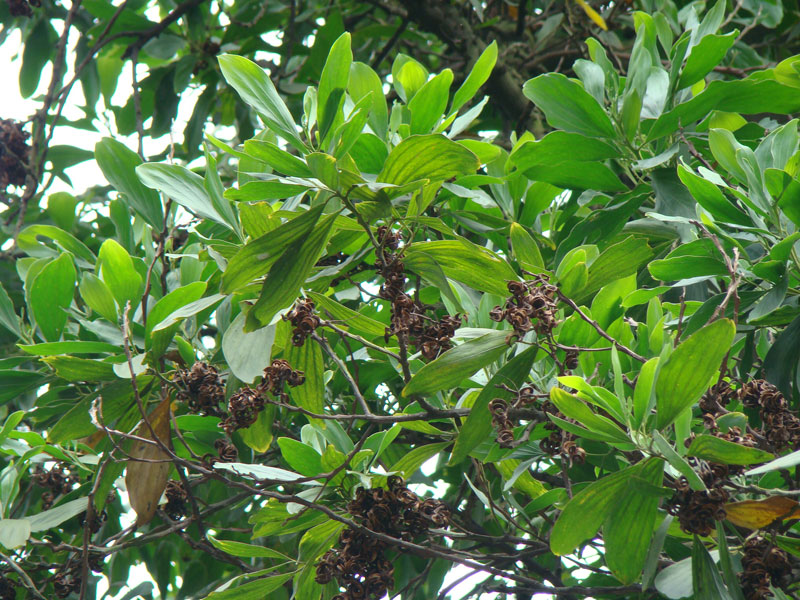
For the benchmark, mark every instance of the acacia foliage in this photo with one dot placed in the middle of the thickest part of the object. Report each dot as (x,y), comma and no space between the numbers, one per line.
(588,336)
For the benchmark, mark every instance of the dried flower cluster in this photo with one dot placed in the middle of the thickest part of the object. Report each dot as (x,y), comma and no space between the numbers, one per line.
(359,564)
(226,451)
(14,149)
(59,479)
(8,591)
(498,408)
(763,565)
(532,305)
(67,581)
(303,319)
(698,511)
(779,425)
(22,8)
(176,500)
(203,389)
(429,336)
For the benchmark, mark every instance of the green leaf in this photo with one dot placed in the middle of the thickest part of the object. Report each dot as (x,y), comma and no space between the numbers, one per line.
(259,435)
(414,459)
(300,457)
(157,342)
(477,77)
(428,104)
(245,550)
(252,590)
(27,241)
(308,359)
(8,316)
(355,322)
(466,262)
(574,408)
(678,462)
(783,462)
(706,580)
(182,185)
(748,96)
(255,258)
(256,89)
(525,248)
(74,347)
(706,55)
(478,425)
(432,157)
(364,81)
(51,294)
(578,175)
(710,197)
(568,106)
(277,158)
(118,273)
(584,514)
(714,449)
(118,164)
(617,261)
(332,84)
(559,147)
(686,374)
(288,273)
(628,529)
(73,368)
(458,363)
(247,353)
(37,52)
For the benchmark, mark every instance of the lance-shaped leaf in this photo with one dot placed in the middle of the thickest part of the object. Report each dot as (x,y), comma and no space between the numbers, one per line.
(289,273)
(714,449)
(255,258)
(332,84)
(50,294)
(686,374)
(479,422)
(756,514)
(457,364)
(257,90)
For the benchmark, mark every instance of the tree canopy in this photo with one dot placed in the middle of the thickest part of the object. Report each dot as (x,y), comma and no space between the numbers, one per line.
(414,300)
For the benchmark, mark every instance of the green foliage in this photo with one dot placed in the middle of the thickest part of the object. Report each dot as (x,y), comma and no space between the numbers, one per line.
(581,337)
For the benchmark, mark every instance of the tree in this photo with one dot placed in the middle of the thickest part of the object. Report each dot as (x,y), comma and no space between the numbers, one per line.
(386,332)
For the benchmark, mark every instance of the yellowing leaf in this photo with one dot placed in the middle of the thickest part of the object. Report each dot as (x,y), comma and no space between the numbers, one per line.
(146,481)
(592,14)
(755,514)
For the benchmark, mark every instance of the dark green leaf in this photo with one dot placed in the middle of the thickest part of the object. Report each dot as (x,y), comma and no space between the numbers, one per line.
(687,373)
(457,364)
(51,294)
(568,106)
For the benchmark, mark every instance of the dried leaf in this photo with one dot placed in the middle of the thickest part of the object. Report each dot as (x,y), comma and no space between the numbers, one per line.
(593,15)
(755,514)
(146,481)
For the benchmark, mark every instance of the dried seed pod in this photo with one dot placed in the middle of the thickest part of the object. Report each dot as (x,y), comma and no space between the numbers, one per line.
(176,500)
(203,389)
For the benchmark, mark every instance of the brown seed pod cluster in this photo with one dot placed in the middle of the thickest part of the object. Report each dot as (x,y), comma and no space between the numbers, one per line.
(532,305)
(763,565)
(202,389)
(176,500)
(560,442)
(245,404)
(67,581)
(303,319)
(226,451)
(779,425)
(8,591)
(698,511)
(428,336)
(14,148)
(243,409)
(498,408)
(359,565)
(59,479)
